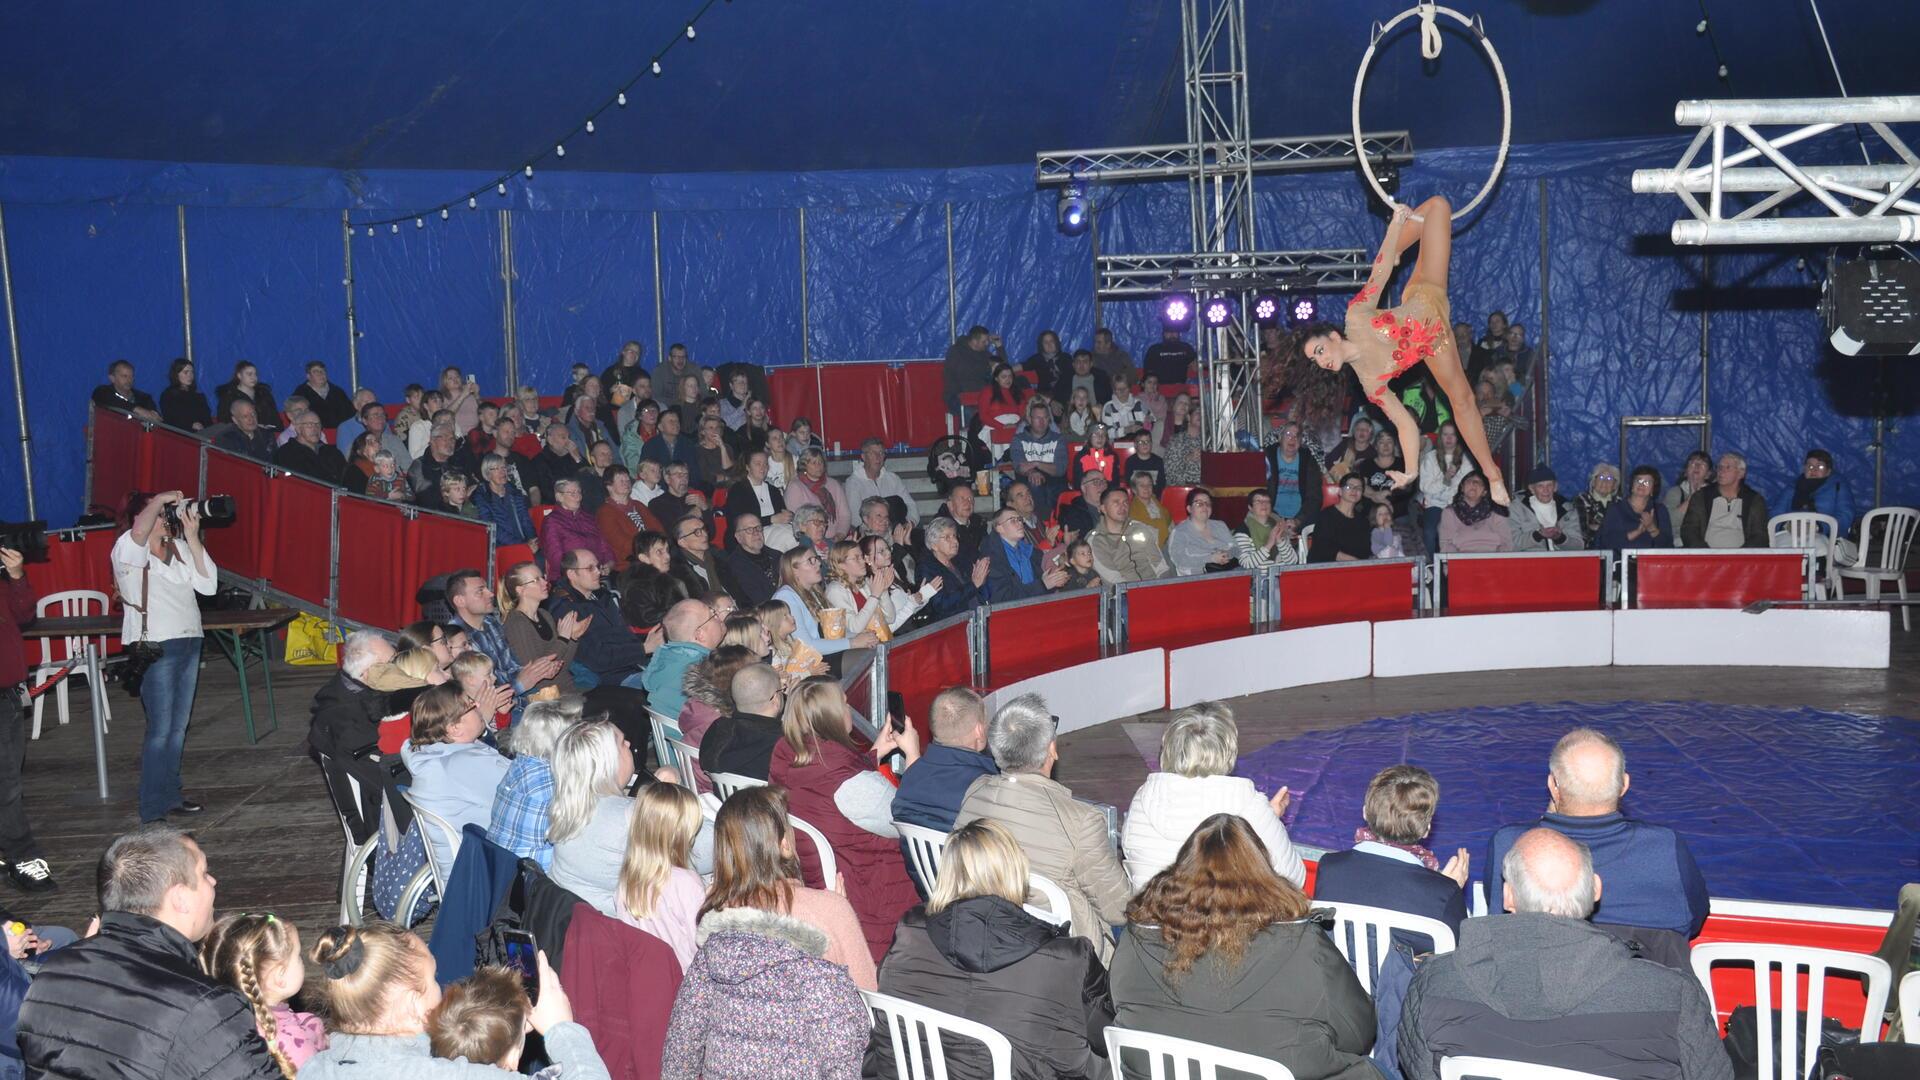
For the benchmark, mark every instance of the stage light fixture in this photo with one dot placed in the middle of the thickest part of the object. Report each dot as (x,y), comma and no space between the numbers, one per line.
(1304,309)
(1389,176)
(1217,312)
(1267,308)
(1074,211)
(1176,310)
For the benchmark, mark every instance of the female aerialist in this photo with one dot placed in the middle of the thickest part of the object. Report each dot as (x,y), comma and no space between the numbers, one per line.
(1382,344)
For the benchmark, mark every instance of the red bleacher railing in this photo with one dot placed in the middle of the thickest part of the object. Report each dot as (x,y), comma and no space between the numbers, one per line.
(1505,584)
(1714,579)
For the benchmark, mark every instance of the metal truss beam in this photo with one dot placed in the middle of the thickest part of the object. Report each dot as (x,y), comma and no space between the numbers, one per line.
(1178,160)
(1132,277)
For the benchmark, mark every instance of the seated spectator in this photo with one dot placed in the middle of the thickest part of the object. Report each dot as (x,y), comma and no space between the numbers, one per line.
(523,800)
(259,955)
(1066,841)
(1474,523)
(649,482)
(131,1000)
(1546,987)
(1155,399)
(592,766)
(1341,532)
(1442,467)
(1048,360)
(755,493)
(182,405)
(1657,899)
(792,658)
(1198,751)
(1816,490)
(585,425)
(445,453)
(1696,475)
(749,569)
(1640,520)
(1218,950)
(693,562)
(1264,539)
(502,505)
(297,407)
(607,650)
(957,504)
(733,406)
(244,434)
(873,480)
(1015,570)
(1001,404)
(801,574)
(1293,476)
(932,790)
(1018,497)
(717,468)
(328,402)
(813,487)
(1388,867)
(869,597)
(1384,538)
(1147,510)
(482,1020)
(742,743)
(1542,519)
(692,631)
(974,951)
(462,393)
(559,458)
(1125,550)
(1085,376)
(376,985)
(1124,413)
(1170,358)
(1081,573)
(622,517)
(454,491)
(532,632)
(648,588)
(569,526)
(1081,416)
(455,775)
(310,456)
(1200,545)
(781,467)
(119,394)
(372,420)
(1096,456)
(1039,454)
(360,467)
(708,686)
(670,446)
(346,712)
(679,500)
(1079,516)
(1144,461)
(246,386)
(1603,488)
(961,583)
(1180,443)
(1383,470)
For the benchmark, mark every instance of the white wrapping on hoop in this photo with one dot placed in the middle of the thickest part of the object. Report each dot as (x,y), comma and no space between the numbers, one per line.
(1430,49)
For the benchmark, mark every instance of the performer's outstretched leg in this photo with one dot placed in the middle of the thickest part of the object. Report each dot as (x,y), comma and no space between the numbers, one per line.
(1446,365)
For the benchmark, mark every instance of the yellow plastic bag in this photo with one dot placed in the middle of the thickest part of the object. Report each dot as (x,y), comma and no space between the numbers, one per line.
(313,641)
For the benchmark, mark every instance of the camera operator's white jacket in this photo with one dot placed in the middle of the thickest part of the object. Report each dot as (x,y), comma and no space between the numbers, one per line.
(172,611)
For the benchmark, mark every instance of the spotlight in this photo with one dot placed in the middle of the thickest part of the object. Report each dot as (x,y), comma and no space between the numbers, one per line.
(1176,311)
(1217,312)
(1388,174)
(1267,308)
(1074,211)
(1304,309)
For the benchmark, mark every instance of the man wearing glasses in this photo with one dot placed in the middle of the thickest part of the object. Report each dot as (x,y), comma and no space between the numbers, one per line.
(749,569)
(693,630)
(692,556)
(607,648)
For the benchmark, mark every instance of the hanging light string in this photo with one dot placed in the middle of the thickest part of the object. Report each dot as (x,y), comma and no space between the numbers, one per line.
(558,148)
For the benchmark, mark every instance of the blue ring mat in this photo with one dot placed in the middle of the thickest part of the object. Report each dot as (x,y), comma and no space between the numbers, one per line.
(1792,805)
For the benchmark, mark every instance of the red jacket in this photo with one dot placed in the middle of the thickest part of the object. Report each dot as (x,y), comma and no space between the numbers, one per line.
(622,982)
(20,598)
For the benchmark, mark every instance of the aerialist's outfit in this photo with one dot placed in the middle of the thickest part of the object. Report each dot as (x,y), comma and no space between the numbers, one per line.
(1411,333)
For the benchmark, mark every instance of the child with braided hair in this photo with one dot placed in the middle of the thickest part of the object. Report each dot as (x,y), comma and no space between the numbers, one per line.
(259,956)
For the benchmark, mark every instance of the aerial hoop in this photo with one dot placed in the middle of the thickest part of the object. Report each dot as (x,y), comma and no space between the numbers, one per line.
(1430,49)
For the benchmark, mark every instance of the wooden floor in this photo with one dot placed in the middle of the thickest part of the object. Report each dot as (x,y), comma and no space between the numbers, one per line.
(274,843)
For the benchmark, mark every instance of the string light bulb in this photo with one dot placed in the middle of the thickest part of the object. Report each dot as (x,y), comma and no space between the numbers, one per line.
(443,213)
(503,187)
(656,69)
(559,150)
(529,171)
(620,99)
(418,224)
(689,31)
(472,203)
(369,230)
(589,127)
(394,228)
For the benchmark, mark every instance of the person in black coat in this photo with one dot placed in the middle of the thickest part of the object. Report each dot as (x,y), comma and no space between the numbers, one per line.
(182,405)
(961,580)
(1340,531)
(329,402)
(309,455)
(119,394)
(246,386)
(1014,565)
(607,648)
(749,569)
(245,434)
(974,951)
(1388,868)
(131,1001)
(1083,372)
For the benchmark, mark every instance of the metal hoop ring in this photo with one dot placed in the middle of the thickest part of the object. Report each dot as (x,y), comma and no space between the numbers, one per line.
(1506,102)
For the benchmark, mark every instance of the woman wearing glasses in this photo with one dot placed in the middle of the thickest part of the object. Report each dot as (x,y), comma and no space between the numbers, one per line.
(800,577)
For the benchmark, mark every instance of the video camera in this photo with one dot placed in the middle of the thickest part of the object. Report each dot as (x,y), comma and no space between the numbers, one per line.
(29,538)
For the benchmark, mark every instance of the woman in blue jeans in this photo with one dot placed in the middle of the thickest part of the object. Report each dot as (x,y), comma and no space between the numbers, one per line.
(160,567)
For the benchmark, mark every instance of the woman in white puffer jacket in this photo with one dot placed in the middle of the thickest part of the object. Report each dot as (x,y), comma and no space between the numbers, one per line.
(1197,756)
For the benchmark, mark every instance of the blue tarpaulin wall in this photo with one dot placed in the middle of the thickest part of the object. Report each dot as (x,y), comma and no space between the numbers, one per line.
(95,254)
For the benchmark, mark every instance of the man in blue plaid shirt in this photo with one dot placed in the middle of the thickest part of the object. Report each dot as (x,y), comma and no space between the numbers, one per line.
(472,603)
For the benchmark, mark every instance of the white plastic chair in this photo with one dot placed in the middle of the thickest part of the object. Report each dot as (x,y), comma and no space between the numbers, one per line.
(431,823)
(1910,1007)
(1884,563)
(1059,910)
(1463,1068)
(1181,1059)
(829,869)
(1820,532)
(1796,1054)
(356,871)
(1364,935)
(686,757)
(1304,541)
(913,1033)
(54,652)
(422,882)
(726,783)
(924,848)
(662,724)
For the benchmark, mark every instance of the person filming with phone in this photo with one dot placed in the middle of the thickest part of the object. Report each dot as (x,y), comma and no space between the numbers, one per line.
(160,566)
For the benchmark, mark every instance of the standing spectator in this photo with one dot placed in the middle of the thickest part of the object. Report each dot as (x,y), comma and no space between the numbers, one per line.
(931,792)
(1293,476)
(755,494)
(1048,361)
(1640,520)
(1123,414)
(1110,359)
(119,394)
(26,870)
(1474,523)
(813,487)
(1015,571)
(1170,358)
(132,1000)
(1546,987)
(1543,519)
(1198,753)
(182,405)
(1603,487)
(1341,532)
(1200,545)
(961,581)
(874,480)
(622,517)
(1264,539)
(244,435)
(1125,550)
(1096,382)
(1442,466)
(568,527)
(161,568)
(968,368)
(1816,490)
(328,401)
(1181,442)
(246,384)
(1388,866)
(1730,514)
(1693,478)
(1218,949)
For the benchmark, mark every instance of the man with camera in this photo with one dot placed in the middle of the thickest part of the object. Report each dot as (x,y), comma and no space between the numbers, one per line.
(19,854)
(160,567)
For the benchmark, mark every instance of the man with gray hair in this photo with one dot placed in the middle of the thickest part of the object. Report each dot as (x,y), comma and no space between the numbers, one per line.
(1728,514)
(1656,897)
(346,711)
(1066,840)
(873,480)
(132,1001)
(1546,987)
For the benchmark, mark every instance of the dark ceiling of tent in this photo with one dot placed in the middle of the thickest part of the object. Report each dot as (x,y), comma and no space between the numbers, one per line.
(858,84)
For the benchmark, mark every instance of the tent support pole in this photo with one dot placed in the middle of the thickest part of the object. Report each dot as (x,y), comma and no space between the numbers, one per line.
(353,327)
(953,310)
(509,330)
(19,383)
(1542,405)
(806,352)
(1706,353)
(659,301)
(186,287)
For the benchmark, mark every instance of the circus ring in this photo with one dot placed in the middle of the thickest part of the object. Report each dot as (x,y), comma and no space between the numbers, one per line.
(1805,821)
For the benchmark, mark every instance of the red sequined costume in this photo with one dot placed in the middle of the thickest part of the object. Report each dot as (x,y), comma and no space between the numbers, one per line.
(1393,341)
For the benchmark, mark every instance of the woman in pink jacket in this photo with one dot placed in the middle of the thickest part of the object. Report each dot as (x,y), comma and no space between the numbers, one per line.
(568,527)
(813,487)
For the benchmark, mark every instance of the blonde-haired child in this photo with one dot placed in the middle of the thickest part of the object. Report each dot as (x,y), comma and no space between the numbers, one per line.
(792,658)
(259,955)
(658,891)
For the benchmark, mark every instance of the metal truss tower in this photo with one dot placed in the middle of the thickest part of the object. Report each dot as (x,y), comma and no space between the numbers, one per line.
(1219,161)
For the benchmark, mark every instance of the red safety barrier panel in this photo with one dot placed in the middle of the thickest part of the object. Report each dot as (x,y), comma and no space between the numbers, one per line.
(1234,469)
(373,538)
(119,452)
(239,548)
(1521,584)
(1345,592)
(921,668)
(793,392)
(440,545)
(1730,580)
(172,463)
(1037,638)
(299,547)
(921,419)
(1191,612)
(849,402)
(505,557)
